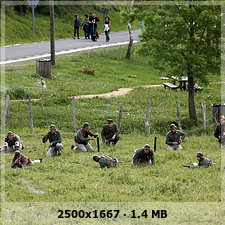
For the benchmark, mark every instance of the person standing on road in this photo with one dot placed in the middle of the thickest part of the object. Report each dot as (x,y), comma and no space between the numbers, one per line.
(107,28)
(76,26)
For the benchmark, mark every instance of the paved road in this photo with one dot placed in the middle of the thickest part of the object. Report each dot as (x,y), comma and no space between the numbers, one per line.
(23,52)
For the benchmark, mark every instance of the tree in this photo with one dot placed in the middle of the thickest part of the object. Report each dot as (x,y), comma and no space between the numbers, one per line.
(183,40)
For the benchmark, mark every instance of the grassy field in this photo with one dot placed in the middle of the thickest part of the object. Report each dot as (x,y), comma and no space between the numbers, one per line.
(74,176)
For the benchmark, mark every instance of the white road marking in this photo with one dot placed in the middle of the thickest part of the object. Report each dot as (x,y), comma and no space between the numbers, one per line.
(66,52)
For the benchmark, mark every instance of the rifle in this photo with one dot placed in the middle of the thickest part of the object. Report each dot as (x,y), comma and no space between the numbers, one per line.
(155,139)
(98,144)
(194,165)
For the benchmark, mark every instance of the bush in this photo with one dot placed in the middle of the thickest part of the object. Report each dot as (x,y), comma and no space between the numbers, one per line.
(18,93)
(88,70)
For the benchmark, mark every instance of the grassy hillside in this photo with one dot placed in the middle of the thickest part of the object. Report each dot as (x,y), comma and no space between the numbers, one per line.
(19,23)
(74,176)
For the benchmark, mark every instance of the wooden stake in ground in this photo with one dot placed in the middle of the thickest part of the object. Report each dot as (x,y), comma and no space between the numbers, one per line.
(178,117)
(155,143)
(30,114)
(74,114)
(52,31)
(120,117)
(147,126)
(203,106)
(98,145)
(130,43)
(7,101)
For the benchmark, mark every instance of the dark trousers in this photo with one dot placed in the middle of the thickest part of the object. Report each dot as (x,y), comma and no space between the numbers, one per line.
(76,31)
(108,140)
(107,35)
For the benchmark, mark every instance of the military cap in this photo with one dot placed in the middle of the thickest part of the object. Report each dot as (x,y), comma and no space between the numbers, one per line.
(17,153)
(86,124)
(52,127)
(147,146)
(172,126)
(199,154)
(109,120)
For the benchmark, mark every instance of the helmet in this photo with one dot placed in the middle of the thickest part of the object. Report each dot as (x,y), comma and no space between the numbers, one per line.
(17,153)
(199,154)
(147,146)
(86,124)
(10,133)
(172,126)
(96,158)
(52,127)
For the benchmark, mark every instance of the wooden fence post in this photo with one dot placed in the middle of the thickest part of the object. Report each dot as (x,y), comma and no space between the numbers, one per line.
(120,117)
(30,113)
(178,117)
(7,102)
(203,106)
(74,114)
(147,126)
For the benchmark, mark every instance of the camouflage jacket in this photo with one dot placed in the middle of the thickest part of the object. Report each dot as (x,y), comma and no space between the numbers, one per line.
(108,132)
(139,157)
(53,138)
(20,161)
(12,142)
(205,162)
(82,136)
(174,137)
(107,161)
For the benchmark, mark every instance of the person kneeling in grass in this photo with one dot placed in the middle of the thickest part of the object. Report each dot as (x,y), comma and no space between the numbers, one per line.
(143,155)
(106,161)
(20,160)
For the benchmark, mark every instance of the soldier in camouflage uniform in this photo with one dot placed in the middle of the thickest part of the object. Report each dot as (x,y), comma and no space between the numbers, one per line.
(174,138)
(143,155)
(12,142)
(110,133)
(82,138)
(203,161)
(55,140)
(105,161)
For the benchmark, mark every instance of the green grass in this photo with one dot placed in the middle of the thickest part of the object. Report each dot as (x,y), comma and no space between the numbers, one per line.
(74,176)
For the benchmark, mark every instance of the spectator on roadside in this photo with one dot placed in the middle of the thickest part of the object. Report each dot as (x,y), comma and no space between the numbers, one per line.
(220,131)
(76,26)
(85,27)
(107,26)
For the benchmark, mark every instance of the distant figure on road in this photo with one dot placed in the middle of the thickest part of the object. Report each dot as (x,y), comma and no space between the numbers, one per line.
(12,142)
(85,27)
(143,155)
(20,161)
(174,138)
(105,161)
(110,133)
(55,140)
(220,131)
(82,138)
(93,21)
(76,26)
(107,25)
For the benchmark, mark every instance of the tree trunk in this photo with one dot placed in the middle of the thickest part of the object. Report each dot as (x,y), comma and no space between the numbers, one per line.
(191,99)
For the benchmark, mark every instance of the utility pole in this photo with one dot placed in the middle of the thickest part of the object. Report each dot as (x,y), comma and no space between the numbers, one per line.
(52,31)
